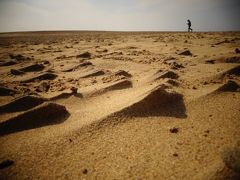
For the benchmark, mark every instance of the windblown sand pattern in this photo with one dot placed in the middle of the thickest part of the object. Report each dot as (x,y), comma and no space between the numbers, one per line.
(119,105)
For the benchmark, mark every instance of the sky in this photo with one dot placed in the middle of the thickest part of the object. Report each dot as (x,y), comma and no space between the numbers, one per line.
(119,15)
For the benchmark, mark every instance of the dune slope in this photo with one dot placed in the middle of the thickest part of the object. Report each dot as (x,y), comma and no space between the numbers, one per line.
(119,105)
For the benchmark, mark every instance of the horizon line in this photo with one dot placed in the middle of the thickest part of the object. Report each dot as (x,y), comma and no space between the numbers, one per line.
(163,31)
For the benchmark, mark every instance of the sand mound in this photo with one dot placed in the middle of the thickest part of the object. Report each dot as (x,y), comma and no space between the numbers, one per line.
(158,102)
(230,73)
(233,71)
(117,76)
(172,82)
(22,104)
(186,53)
(234,59)
(230,168)
(211,61)
(16,72)
(84,55)
(46,114)
(230,86)
(8,63)
(75,67)
(223,42)
(122,84)
(219,173)
(231,159)
(86,63)
(176,66)
(167,74)
(6,92)
(45,76)
(65,95)
(32,68)
(93,74)
(122,73)
(18,57)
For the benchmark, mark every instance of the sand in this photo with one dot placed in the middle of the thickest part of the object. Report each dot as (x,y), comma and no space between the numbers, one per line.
(120,105)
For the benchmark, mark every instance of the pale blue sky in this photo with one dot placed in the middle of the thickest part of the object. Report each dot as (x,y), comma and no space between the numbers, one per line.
(124,15)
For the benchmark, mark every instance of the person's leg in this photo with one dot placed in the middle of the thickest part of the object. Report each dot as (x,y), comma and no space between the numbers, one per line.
(189,29)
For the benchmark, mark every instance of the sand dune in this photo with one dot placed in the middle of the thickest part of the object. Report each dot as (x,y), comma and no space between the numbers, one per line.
(45,114)
(76,67)
(93,73)
(157,102)
(122,84)
(34,67)
(44,76)
(233,71)
(22,104)
(64,95)
(167,74)
(229,86)
(119,105)
(8,63)
(6,91)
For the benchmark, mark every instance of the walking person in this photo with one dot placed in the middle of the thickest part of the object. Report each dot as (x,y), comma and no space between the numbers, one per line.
(189,26)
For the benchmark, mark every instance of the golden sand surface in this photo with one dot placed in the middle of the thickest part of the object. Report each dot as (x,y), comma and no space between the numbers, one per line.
(120,105)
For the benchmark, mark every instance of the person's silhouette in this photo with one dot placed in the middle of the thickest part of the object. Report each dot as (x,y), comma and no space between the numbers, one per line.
(189,25)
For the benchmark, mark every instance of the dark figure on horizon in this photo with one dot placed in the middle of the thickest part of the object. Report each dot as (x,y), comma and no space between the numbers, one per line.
(189,26)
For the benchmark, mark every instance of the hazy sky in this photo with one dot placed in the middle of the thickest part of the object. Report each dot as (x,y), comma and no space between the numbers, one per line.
(119,15)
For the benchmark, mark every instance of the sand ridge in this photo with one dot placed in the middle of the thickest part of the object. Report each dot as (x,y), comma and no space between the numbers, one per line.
(119,105)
